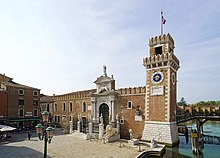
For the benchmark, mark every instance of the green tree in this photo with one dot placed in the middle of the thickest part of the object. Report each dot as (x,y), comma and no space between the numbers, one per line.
(204,103)
(182,102)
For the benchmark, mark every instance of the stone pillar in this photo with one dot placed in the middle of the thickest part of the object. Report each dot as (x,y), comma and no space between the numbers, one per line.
(101,130)
(90,128)
(78,126)
(118,127)
(110,112)
(71,127)
(113,111)
(94,111)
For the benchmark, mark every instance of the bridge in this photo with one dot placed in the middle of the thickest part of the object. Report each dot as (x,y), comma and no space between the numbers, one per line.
(198,137)
(198,116)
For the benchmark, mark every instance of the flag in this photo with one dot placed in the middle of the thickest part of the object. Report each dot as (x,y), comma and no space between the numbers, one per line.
(163,21)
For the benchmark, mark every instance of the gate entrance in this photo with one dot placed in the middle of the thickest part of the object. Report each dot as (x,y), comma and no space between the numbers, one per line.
(104,110)
(84,125)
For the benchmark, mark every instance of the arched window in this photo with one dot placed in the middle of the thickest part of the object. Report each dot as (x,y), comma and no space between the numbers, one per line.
(64,107)
(84,107)
(129,105)
(71,107)
(55,107)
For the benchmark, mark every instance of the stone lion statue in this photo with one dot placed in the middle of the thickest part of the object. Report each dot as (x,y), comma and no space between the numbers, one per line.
(109,132)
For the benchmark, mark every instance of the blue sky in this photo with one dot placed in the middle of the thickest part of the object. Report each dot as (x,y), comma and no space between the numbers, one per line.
(60,46)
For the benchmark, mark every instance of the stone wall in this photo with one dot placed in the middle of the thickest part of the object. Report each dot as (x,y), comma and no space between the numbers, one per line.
(136,95)
(129,114)
(163,132)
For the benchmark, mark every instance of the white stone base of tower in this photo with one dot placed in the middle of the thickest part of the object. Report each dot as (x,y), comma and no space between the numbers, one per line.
(163,132)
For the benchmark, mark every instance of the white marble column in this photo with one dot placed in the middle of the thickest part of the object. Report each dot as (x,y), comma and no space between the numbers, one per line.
(94,110)
(113,110)
(78,126)
(101,130)
(90,128)
(110,111)
(71,127)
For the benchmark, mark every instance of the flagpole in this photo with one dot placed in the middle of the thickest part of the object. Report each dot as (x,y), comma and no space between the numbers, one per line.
(161,23)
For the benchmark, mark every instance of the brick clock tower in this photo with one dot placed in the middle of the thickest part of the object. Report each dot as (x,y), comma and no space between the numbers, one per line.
(161,75)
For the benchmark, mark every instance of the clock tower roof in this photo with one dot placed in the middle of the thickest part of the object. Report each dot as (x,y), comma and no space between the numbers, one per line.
(162,39)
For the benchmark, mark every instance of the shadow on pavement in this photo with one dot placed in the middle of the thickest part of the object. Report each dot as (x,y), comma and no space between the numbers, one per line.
(23,136)
(12,151)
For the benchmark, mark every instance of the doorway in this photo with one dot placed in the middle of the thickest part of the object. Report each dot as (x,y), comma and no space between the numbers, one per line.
(84,125)
(104,110)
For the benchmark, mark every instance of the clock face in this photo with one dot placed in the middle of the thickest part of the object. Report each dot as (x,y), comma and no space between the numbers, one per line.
(173,78)
(157,77)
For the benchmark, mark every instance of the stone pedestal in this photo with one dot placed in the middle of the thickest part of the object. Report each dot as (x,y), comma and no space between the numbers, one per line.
(78,126)
(101,130)
(90,128)
(118,127)
(163,132)
(71,127)
(133,142)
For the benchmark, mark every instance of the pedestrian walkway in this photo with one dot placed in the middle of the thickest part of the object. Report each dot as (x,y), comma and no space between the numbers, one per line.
(65,146)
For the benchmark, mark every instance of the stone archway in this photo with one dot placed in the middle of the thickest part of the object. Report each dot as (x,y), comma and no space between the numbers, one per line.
(104,110)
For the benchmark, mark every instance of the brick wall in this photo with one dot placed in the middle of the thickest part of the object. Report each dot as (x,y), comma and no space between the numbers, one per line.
(3,105)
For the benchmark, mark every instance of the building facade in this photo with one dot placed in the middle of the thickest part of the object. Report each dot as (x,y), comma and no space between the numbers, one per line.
(150,111)
(105,100)
(20,103)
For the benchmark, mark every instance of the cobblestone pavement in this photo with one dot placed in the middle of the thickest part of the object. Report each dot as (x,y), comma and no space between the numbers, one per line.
(63,146)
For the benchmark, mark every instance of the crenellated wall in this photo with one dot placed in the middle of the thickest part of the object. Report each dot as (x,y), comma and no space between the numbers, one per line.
(165,57)
(134,90)
(161,39)
(75,95)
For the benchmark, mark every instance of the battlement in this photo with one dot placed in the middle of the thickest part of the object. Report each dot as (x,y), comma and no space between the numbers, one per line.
(161,58)
(75,95)
(166,38)
(134,90)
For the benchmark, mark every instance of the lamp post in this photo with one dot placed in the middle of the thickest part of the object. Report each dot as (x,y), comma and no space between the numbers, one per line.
(44,132)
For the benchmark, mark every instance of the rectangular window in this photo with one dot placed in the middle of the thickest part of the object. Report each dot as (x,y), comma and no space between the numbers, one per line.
(71,107)
(64,106)
(21,92)
(20,102)
(55,118)
(21,113)
(48,107)
(129,105)
(35,102)
(55,107)
(35,93)
(58,119)
(158,50)
(35,112)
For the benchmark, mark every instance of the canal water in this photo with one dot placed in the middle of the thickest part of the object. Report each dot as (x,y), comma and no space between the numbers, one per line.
(184,150)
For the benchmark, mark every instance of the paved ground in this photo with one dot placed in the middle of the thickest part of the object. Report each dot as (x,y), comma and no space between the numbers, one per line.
(64,146)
